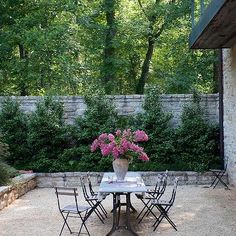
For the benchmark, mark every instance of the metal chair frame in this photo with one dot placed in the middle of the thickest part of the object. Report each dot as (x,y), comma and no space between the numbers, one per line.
(164,207)
(154,194)
(74,210)
(93,201)
(218,174)
(95,194)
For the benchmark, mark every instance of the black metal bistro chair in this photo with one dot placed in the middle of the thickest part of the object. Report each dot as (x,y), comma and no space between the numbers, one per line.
(95,194)
(164,206)
(94,201)
(152,194)
(72,210)
(218,176)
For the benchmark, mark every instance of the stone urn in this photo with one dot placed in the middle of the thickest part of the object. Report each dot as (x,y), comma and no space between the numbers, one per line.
(120,167)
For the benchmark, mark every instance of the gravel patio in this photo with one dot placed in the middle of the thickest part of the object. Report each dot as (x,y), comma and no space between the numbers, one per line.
(198,211)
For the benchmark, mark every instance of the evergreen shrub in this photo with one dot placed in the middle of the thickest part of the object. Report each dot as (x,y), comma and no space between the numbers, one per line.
(196,140)
(14,128)
(156,123)
(6,172)
(99,117)
(47,137)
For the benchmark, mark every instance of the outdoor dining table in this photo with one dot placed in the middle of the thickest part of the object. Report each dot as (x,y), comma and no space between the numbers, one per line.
(133,183)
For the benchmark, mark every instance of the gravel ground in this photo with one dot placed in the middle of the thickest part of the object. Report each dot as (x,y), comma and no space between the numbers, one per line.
(197,211)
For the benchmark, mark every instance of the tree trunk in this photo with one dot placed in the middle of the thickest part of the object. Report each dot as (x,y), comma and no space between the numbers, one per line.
(108,73)
(22,84)
(145,66)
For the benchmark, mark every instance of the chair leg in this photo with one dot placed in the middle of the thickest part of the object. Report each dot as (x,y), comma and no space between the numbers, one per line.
(163,215)
(94,207)
(220,180)
(103,209)
(145,205)
(83,219)
(146,212)
(213,182)
(65,223)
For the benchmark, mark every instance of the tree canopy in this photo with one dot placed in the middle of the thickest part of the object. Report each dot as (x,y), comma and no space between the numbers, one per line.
(69,47)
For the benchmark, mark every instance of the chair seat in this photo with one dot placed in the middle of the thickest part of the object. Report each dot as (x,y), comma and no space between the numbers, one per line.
(160,202)
(146,196)
(72,208)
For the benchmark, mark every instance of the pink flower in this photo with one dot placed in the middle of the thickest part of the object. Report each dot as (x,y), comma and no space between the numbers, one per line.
(115,152)
(143,156)
(106,150)
(125,144)
(111,137)
(140,136)
(135,148)
(127,133)
(118,132)
(94,145)
(103,137)
(121,145)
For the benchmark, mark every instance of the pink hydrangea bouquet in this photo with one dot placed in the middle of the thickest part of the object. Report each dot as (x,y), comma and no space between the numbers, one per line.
(121,145)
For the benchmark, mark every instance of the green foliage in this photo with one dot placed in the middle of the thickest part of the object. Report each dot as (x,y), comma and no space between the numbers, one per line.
(196,141)
(53,47)
(5,170)
(100,117)
(156,123)
(14,127)
(47,136)
(55,146)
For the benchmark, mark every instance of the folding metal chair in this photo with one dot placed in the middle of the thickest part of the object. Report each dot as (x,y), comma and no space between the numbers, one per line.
(94,201)
(218,177)
(152,194)
(95,194)
(164,207)
(72,210)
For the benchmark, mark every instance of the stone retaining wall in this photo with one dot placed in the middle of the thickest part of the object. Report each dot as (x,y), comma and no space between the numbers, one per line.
(20,185)
(127,105)
(71,179)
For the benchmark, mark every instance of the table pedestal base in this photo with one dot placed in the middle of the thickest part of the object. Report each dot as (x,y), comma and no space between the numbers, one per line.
(116,215)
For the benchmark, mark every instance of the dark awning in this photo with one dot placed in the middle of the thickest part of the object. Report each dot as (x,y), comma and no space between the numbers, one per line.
(216,27)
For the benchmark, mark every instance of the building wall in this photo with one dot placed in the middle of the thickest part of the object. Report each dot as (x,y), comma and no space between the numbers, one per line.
(229,83)
(128,105)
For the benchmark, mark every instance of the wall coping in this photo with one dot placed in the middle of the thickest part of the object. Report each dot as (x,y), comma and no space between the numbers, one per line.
(150,177)
(16,181)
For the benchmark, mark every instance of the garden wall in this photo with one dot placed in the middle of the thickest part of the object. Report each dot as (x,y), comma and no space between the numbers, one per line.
(71,179)
(128,105)
(20,185)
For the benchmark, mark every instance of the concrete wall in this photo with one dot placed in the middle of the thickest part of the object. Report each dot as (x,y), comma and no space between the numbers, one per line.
(127,105)
(229,80)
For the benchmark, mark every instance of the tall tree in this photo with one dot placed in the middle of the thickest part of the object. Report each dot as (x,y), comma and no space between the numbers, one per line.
(159,15)
(108,75)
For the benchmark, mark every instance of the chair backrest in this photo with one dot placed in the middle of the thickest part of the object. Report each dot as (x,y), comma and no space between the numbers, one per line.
(66,191)
(90,184)
(173,195)
(84,188)
(163,183)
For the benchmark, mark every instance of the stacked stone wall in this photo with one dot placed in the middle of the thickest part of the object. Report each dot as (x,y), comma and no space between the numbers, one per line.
(71,179)
(20,185)
(127,105)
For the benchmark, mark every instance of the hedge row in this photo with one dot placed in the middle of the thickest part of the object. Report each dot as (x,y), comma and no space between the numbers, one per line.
(43,142)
